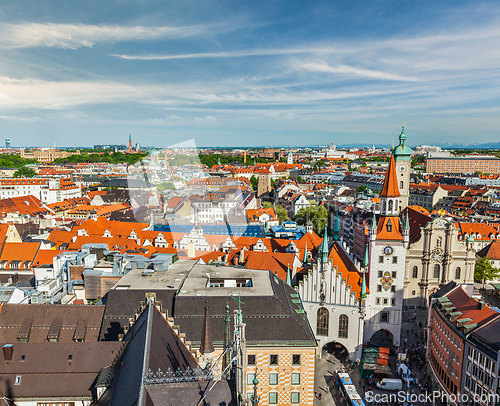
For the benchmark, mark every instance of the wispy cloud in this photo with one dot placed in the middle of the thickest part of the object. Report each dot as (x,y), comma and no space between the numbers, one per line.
(351,70)
(73,36)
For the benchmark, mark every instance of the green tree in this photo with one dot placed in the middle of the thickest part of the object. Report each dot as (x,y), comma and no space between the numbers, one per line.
(280,211)
(485,271)
(24,172)
(362,188)
(254,181)
(318,215)
(165,185)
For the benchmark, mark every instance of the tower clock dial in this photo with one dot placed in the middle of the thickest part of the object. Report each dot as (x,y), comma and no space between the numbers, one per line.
(402,168)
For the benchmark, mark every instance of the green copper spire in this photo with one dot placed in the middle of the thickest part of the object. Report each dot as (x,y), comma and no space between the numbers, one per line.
(288,278)
(305,255)
(374,221)
(336,226)
(365,259)
(324,247)
(402,136)
(363,286)
(406,225)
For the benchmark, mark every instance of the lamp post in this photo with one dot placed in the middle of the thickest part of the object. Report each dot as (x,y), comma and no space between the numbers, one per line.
(255,399)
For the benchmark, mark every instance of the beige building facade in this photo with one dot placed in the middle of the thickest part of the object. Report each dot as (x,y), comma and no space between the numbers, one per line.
(437,258)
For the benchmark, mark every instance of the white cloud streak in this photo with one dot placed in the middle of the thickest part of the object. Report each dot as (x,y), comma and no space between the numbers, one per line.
(73,36)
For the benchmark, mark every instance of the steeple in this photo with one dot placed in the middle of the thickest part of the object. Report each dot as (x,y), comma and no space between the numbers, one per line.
(406,225)
(366,260)
(207,345)
(402,136)
(324,246)
(288,277)
(363,286)
(374,222)
(390,197)
(305,255)
(336,226)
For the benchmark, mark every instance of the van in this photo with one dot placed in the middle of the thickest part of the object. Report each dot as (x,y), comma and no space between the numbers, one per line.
(390,384)
(405,373)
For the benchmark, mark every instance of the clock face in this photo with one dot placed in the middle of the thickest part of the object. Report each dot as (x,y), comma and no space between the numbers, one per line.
(388,250)
(402,168)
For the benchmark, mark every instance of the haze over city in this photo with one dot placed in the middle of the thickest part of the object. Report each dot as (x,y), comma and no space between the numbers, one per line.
(249,73)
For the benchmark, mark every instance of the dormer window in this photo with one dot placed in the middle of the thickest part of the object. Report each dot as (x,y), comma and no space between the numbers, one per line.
(389,226)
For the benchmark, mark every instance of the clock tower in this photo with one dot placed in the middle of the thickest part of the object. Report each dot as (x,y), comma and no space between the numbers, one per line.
(387,246)
(402,155)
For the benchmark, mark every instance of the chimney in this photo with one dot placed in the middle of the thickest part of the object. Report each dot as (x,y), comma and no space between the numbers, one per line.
(8,352)
(481,304)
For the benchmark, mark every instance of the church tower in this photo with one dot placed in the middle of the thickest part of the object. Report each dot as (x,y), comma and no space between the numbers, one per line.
(402,155)
(387,257)
(289,159)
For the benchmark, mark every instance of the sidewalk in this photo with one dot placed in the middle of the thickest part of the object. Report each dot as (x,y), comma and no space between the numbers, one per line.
(325,367)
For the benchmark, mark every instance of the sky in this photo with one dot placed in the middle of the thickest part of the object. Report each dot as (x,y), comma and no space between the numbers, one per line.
(249,73)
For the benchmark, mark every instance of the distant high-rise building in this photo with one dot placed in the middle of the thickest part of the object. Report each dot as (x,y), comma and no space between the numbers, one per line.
(137,147)
(7,143)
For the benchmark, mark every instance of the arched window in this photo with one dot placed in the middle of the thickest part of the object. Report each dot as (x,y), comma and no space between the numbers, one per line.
(439,241)
(437,268)
(415,271)
(457,273)
(390,205)
(401,184)
(383,205)
(322,322)
(343,326)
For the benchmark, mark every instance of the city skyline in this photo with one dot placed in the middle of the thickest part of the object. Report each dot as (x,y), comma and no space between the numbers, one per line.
(262,74)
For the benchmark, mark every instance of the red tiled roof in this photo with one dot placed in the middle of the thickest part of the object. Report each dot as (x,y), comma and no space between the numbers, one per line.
(390,187)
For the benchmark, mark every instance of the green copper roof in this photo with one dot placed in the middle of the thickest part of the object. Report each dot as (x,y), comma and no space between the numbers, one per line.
(402,150)
(336,227)
(324,246)
(365,259)
(305,254)
(363,286)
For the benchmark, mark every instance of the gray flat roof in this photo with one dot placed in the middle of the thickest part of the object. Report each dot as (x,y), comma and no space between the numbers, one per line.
(138,279)
(196,283)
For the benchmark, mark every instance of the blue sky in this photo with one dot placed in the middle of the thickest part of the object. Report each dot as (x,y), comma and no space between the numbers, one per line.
(244,73)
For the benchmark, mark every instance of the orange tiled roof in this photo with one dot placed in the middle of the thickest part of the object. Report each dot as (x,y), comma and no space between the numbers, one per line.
(347,269)
(382,231)
(19,251)
(390,187)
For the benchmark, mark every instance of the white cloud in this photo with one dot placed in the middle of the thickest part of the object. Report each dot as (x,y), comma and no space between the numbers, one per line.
(73,36)
(353,71)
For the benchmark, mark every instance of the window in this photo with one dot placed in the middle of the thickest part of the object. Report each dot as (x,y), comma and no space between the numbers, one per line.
(436,270)
(18,380)
(380,274)
(415,272)
(295,398)
(343,326)
(322,322)
(393,289)
(273,398)
(295,379)
(273,379)
(384,317)
(377,300)
(380,259)
(296,359)
(379,288)
(390,206)
(457,273)
(251,359)
(401,184)
(393,302)
(394,275)
(389,227)
(394,260)
(273,359)
(413,292)
(385,301)
(250,378)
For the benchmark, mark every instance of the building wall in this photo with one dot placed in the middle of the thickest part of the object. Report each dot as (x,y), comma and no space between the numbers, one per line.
(382,289)
(462,165)
(438,245)
(445,352)
(284,369)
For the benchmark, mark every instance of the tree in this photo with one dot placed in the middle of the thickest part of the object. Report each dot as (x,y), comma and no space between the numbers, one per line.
(362,188)
(485,271)
(318,215)
(24,172)
(280,211)
(254,181)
